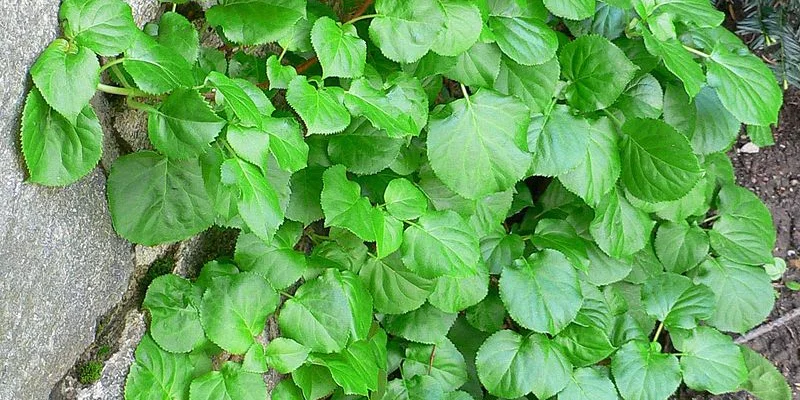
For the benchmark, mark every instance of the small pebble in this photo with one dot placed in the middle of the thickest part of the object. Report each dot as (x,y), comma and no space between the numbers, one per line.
(749,148)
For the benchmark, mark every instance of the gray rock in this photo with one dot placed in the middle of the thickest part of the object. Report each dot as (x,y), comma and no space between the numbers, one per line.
(61,263)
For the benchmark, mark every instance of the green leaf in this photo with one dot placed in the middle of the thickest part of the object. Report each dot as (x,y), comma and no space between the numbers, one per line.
(559,235)
(455,294)
(158,374)
(492,137)
(559,141)
(500,250)
(358,299)
(321,109)
(343,205)
(441,243)
(67,78)
(231,382)
(236,99)
(279,75)
(711,362)
(478,66)
(174,319)
(249,144)
(680,247)
(286,390)
(355,369)
(178,34)
(596,175)
(57,152)
(426,324)
(510,365)
(462,21)
(276,261)
(105,26)
(589,384)
(676,301)
(314,380)
(619,228)
(754,297)
(584,345)
(745,86)
(251,22)
(285,355)
(184,125)
(657,161)
(155,68)
(642,372)
(488,315)
(304,204)
(339,49)
(235,309)
(534,85)
(643,98)
(394,289)
(571,9)
(364,100)
(603,269)
(418,387)
(286,143)
(744,232)
(406,30)
(256,198)
(678,60)
(597,72)
(442,361)
(763,379)
(318,316)
(155,200)
(716,129)
(404,200)
(542,292)
(697,12)
(760,135)
(388,233)
(528,41)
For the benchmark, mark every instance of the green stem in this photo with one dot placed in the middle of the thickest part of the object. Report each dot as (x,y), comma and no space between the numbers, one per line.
(286,294)
(362,17)
(120,76)
(613,117)
(174,7)
(111,64)
(139,106)
(696,52)
(711,219)
(465,92)
(283,53)
(658,331)
(120,91)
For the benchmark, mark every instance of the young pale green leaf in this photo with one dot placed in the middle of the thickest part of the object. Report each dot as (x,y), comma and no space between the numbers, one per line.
(251,22)
(57,152)
(279,75)
(355,369)
(559,141)
(528,41)
(318,316)
(426,324)
(67,78)
(286,143)
(492,137)
(441,243)
(235,309)
(596,175)
(678,60)
(696,12)
(746,86)
(507,363)
(676,301)
(542,292)
(744,232)
(364,100)
(642,372)
(388,233)
(339,49)
(710,362)
(589,384)
(571,9)
(343,205)
(158,374)
(256,197)
(462,19)
(405,30)
(321,109)
(315,381)
(657,161)
(230,382)
(277,261)
(619,228)
(249,144)
(680,247)
(178,34)
(236,99)
(404,200)
(286,389)
(394,289)
(754,294)
(596,70)
(534,85)
(478,66)
(442,361)
(184,125)
(285,355)
(174,319)
(105,26)
(358,299)
(763,379)
(139,181)
(155,68)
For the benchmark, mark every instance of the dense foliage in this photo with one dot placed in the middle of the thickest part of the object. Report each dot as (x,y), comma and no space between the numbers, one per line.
(438,199)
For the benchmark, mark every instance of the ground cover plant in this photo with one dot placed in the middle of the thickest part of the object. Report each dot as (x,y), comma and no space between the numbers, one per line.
(438,199)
